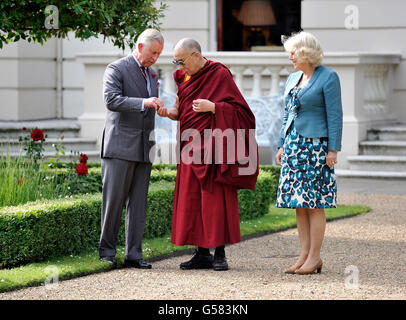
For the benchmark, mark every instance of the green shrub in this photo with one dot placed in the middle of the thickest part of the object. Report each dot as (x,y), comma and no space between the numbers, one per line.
(36,231)
(69,183)
(157,166)
(164,166)
(253,204)
(66,165)
(160,204)
(275,170)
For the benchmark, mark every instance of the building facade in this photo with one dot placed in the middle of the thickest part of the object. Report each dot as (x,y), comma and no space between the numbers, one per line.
(362,41)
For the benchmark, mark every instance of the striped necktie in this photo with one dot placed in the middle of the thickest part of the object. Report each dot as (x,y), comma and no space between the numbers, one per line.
(144,72)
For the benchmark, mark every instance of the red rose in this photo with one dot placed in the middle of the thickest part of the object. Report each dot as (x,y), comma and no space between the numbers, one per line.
(83,158)
(82,169)
(37,135)
(24,128)
(153,75)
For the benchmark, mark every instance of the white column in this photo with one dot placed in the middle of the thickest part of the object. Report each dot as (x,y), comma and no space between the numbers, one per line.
(238,76)
(274,80)
(213,25)
(59,78)
(256,85)
(168,82)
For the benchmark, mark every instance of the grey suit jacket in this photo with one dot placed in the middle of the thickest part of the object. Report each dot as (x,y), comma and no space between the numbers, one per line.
(127,130)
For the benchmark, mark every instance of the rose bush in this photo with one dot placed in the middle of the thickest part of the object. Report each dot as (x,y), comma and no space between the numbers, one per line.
(82,169)
(33,144)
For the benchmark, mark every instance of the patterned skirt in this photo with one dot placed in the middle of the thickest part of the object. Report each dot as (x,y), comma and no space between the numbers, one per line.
(305,181)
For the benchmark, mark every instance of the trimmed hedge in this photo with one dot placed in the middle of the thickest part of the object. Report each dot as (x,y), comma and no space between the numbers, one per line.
(38,230)
(159,172)
(95,179)
(275,170)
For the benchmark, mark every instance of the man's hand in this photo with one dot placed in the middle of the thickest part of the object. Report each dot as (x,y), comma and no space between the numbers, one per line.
(172,114)
(278,157)
(203,105)
(331,158)
(153,102)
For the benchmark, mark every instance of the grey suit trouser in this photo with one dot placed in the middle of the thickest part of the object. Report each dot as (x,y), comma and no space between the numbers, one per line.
(125,183)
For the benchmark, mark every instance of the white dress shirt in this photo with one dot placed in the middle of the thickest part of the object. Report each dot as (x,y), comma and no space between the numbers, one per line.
(147,78)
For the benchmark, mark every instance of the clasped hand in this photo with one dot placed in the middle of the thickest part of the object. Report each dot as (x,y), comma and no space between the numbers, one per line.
(158,105)
(153,102)
(199,105)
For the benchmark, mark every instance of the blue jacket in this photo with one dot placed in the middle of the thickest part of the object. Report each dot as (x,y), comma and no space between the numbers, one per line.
(320,113)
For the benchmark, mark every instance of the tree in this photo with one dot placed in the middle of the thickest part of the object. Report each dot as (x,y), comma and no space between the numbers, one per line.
(39,20)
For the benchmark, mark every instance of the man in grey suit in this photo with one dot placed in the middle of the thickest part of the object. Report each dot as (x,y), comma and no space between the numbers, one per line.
(130,94)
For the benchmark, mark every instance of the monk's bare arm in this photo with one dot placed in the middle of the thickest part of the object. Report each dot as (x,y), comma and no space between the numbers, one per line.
(172,114)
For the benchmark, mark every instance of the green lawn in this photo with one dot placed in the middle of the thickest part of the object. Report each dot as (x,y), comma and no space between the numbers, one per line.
(87,263)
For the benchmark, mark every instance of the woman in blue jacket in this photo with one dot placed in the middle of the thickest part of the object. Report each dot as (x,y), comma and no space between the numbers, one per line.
(309,141)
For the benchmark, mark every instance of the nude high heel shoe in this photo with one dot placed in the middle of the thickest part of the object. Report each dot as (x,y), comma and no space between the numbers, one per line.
(291,270)
(317,268)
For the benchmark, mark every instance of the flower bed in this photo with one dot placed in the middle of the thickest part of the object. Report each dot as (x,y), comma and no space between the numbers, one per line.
(69,221)
(38,230)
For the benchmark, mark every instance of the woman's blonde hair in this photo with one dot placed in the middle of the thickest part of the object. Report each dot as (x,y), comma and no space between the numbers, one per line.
(305,46)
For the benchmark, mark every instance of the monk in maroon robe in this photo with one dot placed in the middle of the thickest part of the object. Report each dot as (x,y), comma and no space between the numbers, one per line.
(218,156)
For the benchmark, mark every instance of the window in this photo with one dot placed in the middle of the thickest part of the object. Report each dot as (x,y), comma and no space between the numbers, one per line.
(244,24)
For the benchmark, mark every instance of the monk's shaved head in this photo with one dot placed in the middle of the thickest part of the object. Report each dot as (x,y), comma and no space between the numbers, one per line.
(188,44)
(188,56)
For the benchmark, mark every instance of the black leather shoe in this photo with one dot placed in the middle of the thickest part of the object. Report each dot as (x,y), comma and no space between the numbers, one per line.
(220,263)
(140,264)
(198,261)
(111,260)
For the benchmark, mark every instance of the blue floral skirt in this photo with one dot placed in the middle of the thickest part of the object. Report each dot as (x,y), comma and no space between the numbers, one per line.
(305,181)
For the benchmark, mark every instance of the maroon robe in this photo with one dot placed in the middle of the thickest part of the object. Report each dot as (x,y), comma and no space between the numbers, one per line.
(205,210)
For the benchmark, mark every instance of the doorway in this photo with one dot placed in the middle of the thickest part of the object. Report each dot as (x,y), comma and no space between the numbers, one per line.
(245,25)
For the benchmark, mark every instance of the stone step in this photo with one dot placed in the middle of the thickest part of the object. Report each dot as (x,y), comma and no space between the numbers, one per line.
(377,163)
(395,132)
(52,128)
(370,174)
(392,148)
(75,144)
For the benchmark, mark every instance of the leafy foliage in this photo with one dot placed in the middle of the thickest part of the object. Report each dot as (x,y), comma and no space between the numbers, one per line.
(38,230)
(120,20)
(22,181)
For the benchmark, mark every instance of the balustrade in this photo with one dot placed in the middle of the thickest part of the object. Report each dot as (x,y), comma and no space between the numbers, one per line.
(366,84)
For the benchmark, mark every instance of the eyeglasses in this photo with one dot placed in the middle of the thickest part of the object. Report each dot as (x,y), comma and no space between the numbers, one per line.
(180,62)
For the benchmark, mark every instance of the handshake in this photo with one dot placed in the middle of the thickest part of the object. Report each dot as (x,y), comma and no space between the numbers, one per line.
(199,105)
(158,105)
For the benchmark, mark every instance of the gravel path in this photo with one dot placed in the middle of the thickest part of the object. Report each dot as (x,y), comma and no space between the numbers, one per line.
(371,246)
